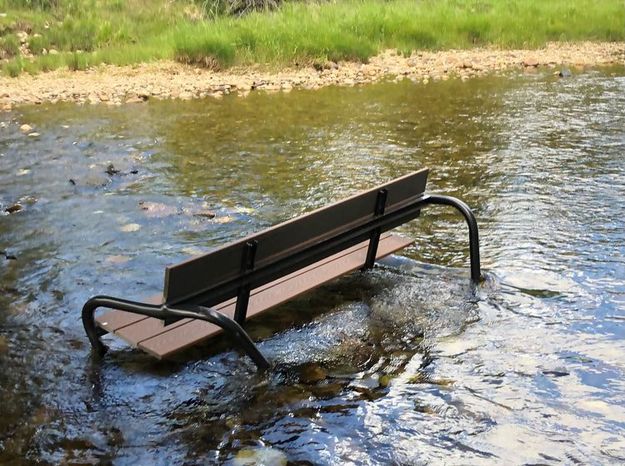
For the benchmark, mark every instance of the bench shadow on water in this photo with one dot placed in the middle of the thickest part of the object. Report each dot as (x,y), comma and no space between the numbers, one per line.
(404,364)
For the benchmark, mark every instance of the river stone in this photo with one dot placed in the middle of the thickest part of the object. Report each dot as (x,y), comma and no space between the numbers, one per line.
(312,373)
(530,62)
(13,208)
(26,128)
(130,227)
(158,209)
(263,456)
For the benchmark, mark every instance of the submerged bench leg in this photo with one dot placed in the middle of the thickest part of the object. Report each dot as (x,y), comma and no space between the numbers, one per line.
(474,240)
(166,313)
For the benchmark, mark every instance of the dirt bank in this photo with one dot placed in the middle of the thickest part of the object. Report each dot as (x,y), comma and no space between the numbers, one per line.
(113,85)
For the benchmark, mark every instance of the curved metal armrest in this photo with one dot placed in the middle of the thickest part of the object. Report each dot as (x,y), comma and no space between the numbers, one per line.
(474,239)
(163,312)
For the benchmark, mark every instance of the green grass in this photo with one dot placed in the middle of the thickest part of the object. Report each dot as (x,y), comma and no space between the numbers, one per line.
(355,30)
(90,32)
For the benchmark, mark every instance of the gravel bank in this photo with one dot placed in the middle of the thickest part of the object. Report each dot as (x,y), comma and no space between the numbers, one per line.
(113,85)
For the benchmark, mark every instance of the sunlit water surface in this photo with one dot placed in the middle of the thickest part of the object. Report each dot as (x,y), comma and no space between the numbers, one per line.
(405,364)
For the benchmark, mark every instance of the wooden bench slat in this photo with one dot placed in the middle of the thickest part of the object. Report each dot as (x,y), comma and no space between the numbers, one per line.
(134,328)
(192,332)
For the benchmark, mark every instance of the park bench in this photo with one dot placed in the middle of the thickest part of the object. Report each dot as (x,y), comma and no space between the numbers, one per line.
(218,291)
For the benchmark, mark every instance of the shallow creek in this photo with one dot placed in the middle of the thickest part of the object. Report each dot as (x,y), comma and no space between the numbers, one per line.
(405,364)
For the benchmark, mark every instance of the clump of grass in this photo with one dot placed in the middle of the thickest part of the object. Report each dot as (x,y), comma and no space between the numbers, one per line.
(217,8)
(13,68)
(210,49)
(37,44)
(9,46)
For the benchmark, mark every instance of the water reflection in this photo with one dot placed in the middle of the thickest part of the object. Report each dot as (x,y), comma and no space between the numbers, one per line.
(402,365)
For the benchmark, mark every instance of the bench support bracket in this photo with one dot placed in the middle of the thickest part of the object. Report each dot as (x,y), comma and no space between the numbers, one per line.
(165,313)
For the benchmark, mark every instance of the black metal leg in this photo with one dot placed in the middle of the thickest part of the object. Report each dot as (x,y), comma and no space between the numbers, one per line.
(243,295)
(374,241)
(474,240)
(165,313)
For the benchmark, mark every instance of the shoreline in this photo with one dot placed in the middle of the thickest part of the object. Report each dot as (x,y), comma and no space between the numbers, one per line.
(114,85)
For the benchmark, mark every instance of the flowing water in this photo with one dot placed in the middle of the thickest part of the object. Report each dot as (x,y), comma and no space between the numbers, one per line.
(405,364)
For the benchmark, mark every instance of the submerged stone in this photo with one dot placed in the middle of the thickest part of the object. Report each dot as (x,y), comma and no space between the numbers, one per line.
(312,373)
(263,456)
(4,345)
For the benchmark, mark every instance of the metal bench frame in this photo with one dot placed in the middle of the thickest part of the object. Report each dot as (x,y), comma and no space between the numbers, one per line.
(197,305)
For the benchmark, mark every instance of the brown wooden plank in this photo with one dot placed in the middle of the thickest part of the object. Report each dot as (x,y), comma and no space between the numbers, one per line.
(114,319)
(192,277)
(193,332)
(145,328)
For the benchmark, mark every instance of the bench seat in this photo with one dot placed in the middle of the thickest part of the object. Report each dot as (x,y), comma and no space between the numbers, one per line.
(151,335)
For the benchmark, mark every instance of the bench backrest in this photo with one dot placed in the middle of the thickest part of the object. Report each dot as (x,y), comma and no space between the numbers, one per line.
(199,275)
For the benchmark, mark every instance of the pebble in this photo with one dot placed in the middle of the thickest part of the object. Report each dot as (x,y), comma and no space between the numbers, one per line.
(13,208)
(130,227)
(262,456)
(312,373)
(26,128)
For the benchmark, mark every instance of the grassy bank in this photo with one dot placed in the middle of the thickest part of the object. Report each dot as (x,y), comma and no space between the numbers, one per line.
(41,35)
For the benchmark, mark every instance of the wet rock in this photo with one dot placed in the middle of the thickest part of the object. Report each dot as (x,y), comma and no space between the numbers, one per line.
(26,128)
(8,256)
(33,134)
(530,62)
(111,170)
(419,377)
(117,259)
(311,373)
(208,214)
(157,209)
(130,227)
(424,408)
(115,438)
(564,73)
(134,100)
(224,219)
(556,373)
(13,208)
(262,456)
(385,380)
(366,383)
(4,344)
